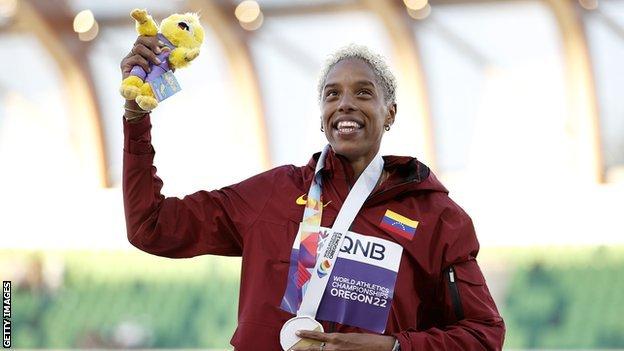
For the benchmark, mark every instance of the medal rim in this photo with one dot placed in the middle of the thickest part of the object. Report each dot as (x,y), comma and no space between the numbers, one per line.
(291,321)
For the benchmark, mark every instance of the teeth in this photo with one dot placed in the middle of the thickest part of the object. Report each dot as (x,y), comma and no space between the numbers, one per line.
(348,124)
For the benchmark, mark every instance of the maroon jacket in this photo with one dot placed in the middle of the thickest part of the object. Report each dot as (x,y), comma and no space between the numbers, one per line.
(258,219)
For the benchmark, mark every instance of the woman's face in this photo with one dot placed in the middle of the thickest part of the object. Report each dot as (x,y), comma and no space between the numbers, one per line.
(353,110)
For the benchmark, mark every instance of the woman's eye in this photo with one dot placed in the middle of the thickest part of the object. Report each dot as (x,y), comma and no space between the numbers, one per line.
(364,92)
(331,93)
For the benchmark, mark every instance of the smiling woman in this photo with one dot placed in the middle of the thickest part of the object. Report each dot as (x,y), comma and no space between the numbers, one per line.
(383,259)
(356,92)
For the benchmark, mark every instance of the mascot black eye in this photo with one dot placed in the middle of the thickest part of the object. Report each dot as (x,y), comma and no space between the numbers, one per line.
(183,25)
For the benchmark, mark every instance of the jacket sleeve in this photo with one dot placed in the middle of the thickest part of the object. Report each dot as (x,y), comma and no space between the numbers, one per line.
(206,222)
(470,319)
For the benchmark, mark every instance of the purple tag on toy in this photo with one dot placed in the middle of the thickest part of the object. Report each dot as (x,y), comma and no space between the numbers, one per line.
(164,85)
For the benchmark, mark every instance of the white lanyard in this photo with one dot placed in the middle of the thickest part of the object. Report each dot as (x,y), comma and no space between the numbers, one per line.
(326,259)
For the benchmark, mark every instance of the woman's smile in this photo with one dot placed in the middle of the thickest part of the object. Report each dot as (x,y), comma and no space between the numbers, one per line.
(346,127)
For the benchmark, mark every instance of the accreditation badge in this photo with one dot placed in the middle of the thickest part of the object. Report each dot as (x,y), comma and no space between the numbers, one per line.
(361,286)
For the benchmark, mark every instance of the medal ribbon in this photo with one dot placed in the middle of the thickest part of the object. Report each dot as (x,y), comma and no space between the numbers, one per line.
(309,230)
(312,270)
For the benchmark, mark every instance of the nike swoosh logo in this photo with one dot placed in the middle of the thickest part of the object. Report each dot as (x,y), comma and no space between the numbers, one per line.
(301,200)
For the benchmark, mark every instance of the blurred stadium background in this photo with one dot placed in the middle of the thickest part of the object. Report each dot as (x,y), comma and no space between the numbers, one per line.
(516,105)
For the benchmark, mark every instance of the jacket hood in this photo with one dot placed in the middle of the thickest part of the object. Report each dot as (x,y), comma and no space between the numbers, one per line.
(407,175)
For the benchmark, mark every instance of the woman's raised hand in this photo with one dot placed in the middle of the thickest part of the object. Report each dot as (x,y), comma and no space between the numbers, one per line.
(143,53)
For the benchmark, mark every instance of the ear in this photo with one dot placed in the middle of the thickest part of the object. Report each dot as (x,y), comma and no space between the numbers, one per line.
(392,110)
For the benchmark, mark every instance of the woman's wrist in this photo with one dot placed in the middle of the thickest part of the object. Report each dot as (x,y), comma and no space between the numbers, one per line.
(134,117)
(133,113)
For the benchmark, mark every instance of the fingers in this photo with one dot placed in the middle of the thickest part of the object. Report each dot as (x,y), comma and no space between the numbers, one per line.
(134,60)
(146,53)
(314,335)
(317,347)
(152,43)
(143,52)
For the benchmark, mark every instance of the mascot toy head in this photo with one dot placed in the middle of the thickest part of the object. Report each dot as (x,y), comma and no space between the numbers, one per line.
(183,30)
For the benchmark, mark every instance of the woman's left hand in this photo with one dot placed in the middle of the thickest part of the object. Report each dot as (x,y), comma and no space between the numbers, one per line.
(348,341)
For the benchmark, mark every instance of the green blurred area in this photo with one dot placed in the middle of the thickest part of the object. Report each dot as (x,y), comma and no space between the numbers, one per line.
(122,300)
(565,298)
(550,298)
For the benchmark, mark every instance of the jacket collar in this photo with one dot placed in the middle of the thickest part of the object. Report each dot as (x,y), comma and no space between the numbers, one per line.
(406,174)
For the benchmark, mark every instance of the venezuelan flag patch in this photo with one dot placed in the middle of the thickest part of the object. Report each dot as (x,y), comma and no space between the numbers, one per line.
(398,224)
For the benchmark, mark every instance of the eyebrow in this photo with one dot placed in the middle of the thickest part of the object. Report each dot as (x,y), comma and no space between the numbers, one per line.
(358,83)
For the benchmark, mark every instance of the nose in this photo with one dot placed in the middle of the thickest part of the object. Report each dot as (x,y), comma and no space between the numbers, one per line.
(347,103)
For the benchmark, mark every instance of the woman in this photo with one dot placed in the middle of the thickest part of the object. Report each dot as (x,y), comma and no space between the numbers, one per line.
(401,276)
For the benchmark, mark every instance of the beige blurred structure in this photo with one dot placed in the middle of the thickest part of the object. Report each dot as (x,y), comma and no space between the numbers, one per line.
(50,22)
(461,91)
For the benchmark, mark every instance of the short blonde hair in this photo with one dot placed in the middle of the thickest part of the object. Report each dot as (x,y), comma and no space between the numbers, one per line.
(377,63)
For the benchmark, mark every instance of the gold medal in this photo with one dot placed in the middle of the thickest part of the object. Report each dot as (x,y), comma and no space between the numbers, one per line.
(288,338)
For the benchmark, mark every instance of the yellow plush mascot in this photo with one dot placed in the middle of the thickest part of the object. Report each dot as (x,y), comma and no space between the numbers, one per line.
(181,34)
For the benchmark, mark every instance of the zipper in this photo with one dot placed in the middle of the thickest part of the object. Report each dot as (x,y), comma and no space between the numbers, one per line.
(383,191)
(390,188)
(454,291)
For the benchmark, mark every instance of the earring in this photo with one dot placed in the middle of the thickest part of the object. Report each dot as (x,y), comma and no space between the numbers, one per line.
(387,127)
(322,130)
